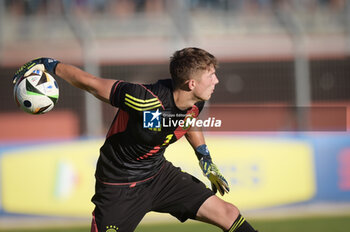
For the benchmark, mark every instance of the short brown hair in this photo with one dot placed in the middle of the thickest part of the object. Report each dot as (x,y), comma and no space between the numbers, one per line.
(187,61)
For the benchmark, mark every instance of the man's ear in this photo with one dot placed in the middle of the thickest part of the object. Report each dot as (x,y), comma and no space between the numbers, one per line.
(191,84)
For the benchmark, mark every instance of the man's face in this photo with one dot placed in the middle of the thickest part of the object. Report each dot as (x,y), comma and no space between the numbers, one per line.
(205,84)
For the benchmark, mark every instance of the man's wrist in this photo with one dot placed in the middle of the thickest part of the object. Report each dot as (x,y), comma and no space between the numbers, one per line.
(202,151)
(51,64)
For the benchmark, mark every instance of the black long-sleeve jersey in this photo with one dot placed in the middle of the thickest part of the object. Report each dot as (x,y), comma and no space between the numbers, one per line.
(132,152)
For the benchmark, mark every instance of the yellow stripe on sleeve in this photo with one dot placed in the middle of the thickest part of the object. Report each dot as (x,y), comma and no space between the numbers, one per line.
(140,100)
(142,109)
(141,104)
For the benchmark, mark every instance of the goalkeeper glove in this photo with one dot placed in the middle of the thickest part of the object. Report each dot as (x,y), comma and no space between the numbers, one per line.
(211,171)
(43,64)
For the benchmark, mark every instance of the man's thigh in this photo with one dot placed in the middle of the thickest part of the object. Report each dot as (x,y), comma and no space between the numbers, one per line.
(119,208)
(179,193)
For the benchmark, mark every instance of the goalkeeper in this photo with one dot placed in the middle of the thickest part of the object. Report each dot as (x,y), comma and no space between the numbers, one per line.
(132,175)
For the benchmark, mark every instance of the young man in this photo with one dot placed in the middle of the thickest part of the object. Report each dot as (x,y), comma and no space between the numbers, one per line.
(132,175)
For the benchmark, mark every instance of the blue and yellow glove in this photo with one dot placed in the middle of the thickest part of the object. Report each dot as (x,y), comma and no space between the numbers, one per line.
(43,64)
(211,171)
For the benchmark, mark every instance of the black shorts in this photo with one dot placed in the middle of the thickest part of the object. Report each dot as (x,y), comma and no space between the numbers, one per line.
(122,207)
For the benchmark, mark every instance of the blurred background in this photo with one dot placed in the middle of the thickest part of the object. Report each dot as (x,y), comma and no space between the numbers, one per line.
(284,64)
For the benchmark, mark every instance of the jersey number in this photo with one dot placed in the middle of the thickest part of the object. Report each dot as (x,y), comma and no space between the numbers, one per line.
(167,139)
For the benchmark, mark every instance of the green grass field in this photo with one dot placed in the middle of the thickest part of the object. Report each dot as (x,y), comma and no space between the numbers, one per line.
(306,224)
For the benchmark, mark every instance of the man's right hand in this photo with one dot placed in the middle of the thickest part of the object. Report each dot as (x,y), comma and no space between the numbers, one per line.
(43,64)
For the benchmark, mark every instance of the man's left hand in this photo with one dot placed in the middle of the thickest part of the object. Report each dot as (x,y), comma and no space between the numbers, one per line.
(211,171)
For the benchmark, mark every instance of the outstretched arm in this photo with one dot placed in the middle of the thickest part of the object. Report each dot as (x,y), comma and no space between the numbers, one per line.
(97,86)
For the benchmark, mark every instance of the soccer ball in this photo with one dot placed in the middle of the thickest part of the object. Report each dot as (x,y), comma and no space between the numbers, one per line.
(36,93)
